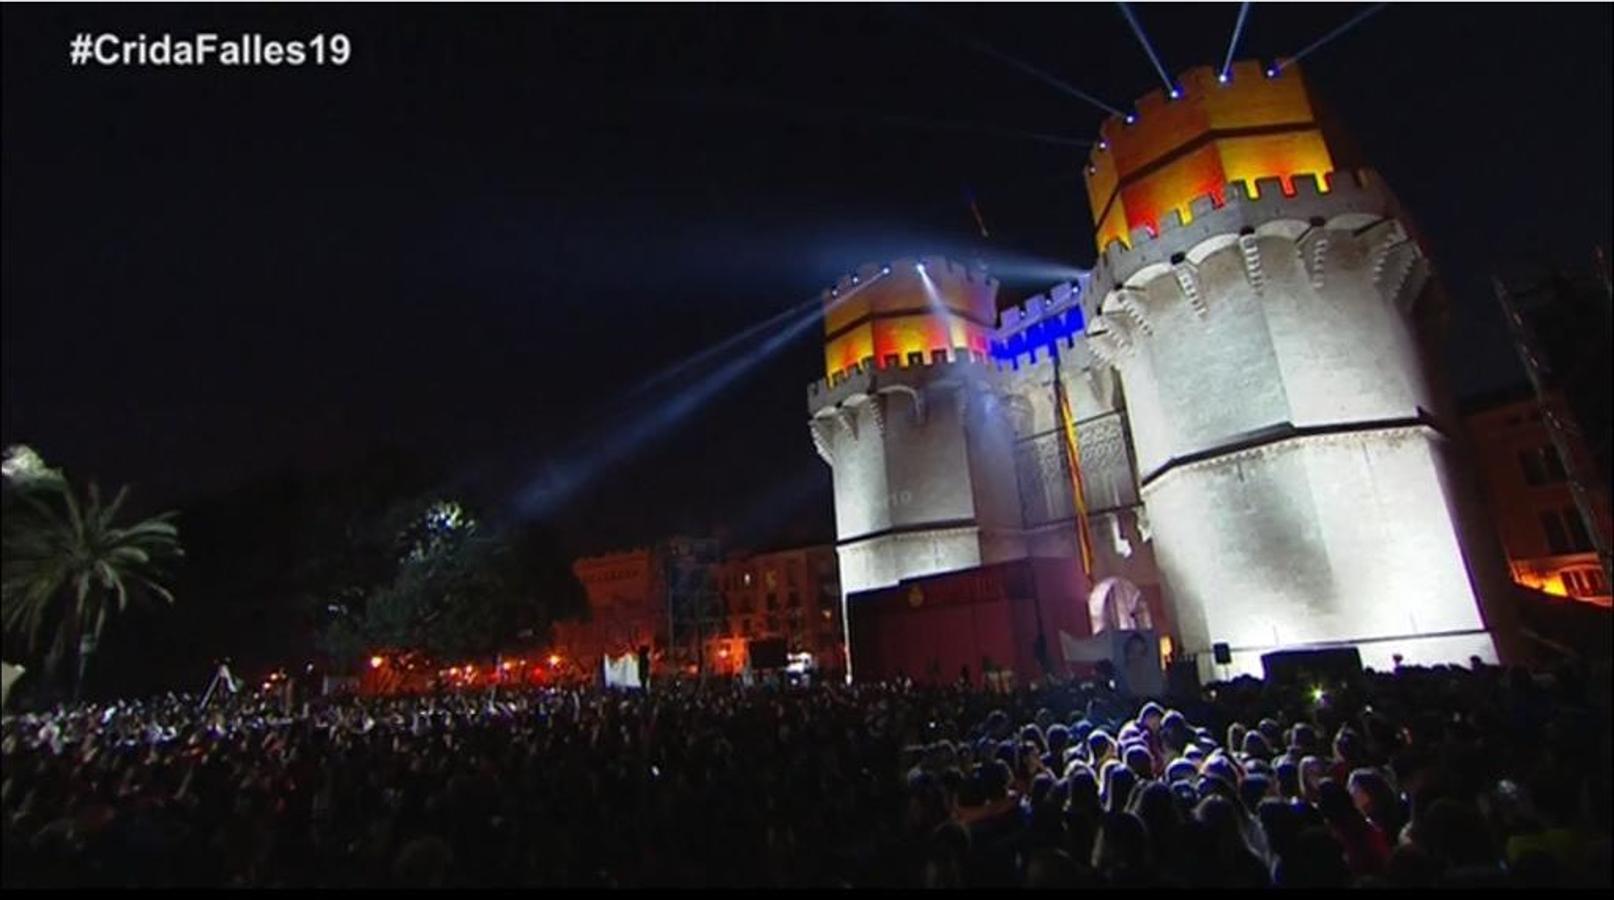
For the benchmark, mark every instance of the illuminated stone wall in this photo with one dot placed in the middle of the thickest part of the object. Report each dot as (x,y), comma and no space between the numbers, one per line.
(1292,465)
(1318,541)
(1117,526)
(923,469)
(1261,449)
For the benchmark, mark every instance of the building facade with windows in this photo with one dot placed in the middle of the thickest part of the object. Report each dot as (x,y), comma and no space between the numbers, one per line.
(627,609)
(1527,491)
(793,594)
(698,611)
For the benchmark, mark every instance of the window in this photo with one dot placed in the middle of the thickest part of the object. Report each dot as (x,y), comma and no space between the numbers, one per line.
(1565,531)
(773,602)
(1542,465)
(1580,541)
(1557,540)
(1586,582)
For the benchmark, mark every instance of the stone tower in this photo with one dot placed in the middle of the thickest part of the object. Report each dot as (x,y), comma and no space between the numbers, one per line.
(910,420)
(1265,310)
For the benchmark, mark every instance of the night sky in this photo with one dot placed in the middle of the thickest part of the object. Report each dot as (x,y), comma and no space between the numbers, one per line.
(471,240)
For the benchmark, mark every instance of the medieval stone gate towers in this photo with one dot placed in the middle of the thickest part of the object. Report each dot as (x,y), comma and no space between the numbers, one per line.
(1259,438)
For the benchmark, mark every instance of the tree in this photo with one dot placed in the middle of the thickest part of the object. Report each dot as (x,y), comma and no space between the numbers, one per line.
(65,563)
(460,588)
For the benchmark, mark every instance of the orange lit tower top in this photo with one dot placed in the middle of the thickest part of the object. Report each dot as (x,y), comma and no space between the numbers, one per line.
(907,312)
(1255,123)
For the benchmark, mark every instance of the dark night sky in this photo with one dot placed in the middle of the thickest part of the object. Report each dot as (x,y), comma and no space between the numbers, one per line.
(471,239)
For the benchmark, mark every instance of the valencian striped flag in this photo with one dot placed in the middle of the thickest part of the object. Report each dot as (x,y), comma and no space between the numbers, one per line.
(1073,458)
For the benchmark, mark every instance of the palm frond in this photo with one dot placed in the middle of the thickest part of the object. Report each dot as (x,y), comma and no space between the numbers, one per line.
(66,562)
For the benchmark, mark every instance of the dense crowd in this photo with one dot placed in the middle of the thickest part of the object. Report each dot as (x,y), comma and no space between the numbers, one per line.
(1424,777)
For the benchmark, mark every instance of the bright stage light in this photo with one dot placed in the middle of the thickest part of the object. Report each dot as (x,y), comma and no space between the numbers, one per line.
(376,661)
(554,659)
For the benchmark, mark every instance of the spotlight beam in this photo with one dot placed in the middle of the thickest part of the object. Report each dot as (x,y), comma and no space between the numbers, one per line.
(1137,29)
(1232,45)
(563,478)
(1350,23)
(981,46)
(727,344)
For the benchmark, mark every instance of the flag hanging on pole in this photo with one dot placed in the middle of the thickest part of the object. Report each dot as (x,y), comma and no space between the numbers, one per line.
(1073,457)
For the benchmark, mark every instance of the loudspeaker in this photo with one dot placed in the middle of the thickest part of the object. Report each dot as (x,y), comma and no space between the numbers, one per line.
(768,653)
(1182,680)
(1223,653)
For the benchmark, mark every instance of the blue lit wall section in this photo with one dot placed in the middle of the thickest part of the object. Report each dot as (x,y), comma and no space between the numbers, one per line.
(1041,333)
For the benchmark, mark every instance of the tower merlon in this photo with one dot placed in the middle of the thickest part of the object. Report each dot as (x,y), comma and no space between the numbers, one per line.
(1355,197)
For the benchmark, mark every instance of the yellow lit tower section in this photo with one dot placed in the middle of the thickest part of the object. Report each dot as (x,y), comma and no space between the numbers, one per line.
(912,420)
(905,314)
(1267,311)
(1250,124)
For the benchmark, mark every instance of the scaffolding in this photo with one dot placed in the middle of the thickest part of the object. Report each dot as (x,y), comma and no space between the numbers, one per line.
(694,606)
(1571,366)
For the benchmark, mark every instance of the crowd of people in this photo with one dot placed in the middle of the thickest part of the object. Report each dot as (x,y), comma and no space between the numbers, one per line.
(1424,777)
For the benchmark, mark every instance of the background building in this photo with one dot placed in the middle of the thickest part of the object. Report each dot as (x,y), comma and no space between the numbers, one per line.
(698,612)
(627,603)
(1526,485)
(792,594)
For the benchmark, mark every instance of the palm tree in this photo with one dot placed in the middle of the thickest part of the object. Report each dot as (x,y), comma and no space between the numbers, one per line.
(63,565)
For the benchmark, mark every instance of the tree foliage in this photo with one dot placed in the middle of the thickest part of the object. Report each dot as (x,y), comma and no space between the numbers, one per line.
(459,589)
(69,565)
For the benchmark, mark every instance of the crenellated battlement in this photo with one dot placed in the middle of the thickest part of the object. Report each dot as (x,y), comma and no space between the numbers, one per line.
(939,267)
(1357,195)
(867,376)
(1060,297)
(1204,102)
(1041,354)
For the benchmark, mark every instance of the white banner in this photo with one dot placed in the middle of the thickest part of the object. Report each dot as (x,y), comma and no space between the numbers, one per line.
(622,671)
